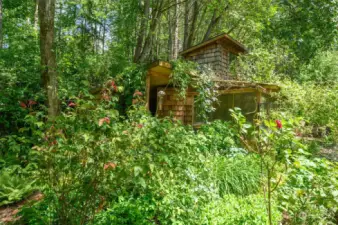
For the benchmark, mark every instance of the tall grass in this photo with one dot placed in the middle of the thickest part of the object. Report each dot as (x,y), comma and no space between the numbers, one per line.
(239,175)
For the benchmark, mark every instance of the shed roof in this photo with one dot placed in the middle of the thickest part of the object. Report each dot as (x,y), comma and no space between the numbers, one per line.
(224,39)
(161,71)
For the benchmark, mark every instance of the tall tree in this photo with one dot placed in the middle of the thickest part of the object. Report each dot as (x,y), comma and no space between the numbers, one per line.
(48,61)
(143,29)
(36,15)
(1,24)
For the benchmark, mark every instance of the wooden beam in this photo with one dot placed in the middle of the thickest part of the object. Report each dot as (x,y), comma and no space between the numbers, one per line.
(148,91)
(239,90)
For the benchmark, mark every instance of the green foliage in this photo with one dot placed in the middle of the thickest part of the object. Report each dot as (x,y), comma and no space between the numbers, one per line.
(239,175)
(266,63)
(105,160)
(15,184)
(132,78)
(181,76)
(187,74)
(132,211)
(84,156)
(232,209)
(322,69)
(219,137)
(305,26)
(312,102)
(309,194)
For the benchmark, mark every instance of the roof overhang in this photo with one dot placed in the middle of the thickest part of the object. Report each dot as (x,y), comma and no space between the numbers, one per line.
(160,74)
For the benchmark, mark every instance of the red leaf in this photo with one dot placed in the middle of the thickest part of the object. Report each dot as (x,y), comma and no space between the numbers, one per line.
(137,93)
(31,102)
(23,105)
(104,120)
(109,165)
(113,85)
(71,104)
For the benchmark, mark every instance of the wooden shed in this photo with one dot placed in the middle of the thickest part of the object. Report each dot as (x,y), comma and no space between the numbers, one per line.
(217,53)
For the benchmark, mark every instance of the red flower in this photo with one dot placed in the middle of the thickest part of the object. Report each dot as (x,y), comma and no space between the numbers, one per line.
(279,124)
(140,126)
(71,104)
(104,120)
(113,85)
(109,165)
(23,105)
(137,93)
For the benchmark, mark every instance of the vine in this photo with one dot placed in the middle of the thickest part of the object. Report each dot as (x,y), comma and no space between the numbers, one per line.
(189,74)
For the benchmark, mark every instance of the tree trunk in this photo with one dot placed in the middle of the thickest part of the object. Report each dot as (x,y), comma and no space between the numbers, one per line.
(148,44)
(175,43)
(186,25)
(170,38)
(1,35)
(143,29)
(48,61)
(36,15)
(213,22)
(103,35)
(211,26)
(191,35)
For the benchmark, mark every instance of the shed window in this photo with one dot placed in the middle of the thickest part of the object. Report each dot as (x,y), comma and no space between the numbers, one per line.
(246,101)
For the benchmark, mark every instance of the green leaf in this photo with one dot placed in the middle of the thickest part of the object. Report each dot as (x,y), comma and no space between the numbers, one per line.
(137,170)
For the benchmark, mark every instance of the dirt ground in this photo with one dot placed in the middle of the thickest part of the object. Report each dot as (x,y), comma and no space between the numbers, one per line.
(8,212)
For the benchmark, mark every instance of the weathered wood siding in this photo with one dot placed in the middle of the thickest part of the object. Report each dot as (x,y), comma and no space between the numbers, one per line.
(172,105)
(215,56)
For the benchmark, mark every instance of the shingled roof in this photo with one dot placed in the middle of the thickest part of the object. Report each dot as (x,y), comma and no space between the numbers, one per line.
(224,39)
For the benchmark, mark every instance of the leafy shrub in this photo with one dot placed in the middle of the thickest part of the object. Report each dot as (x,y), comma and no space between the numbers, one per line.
(132,211)
(322,69)
(312,102)
(309,194)
(218,136)
(15,184)
(90,161)
(232,209)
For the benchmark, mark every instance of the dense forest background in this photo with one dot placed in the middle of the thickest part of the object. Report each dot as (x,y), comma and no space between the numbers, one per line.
(56,136)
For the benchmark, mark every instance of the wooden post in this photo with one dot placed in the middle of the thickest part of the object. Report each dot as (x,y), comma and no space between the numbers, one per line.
(258,98)
(148,90)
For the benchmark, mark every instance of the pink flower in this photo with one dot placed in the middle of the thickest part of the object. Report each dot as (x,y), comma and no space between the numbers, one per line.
(279,124)
(137,93)
(71,104)
(104,120)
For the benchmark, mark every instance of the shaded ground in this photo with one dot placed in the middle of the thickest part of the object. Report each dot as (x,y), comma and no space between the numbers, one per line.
(8,212)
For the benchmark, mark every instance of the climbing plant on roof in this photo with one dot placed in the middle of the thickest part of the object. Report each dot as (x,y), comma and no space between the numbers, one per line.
(187,74)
